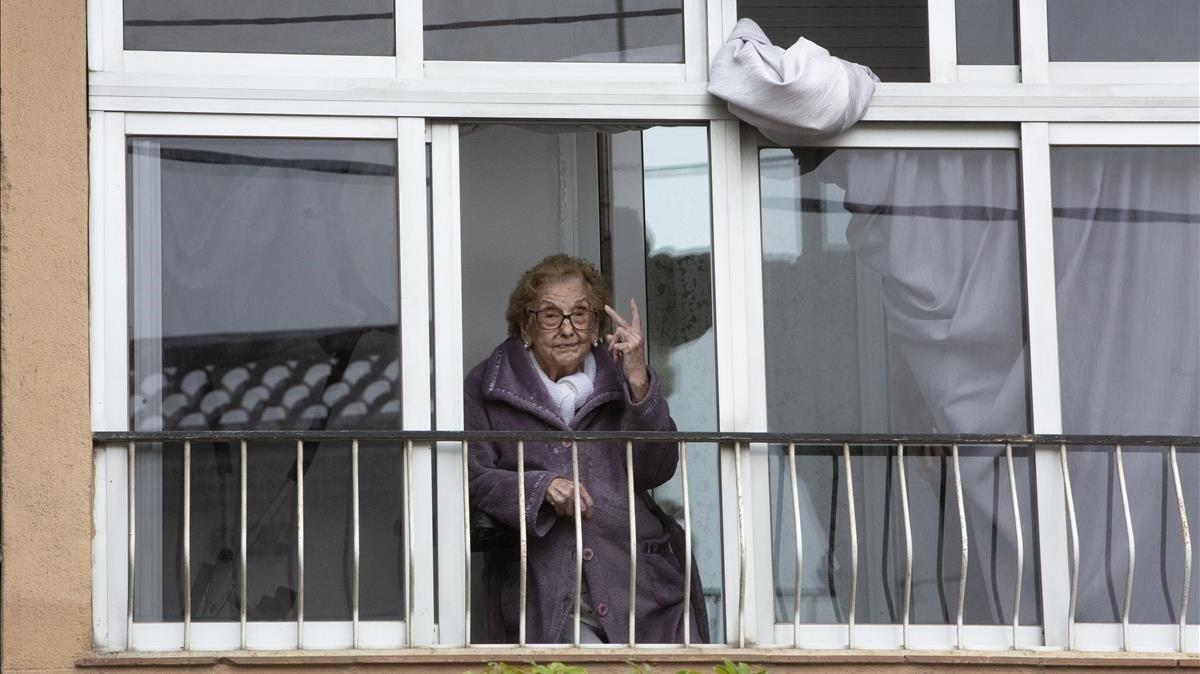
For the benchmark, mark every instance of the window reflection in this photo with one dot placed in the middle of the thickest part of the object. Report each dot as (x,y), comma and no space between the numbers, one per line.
(263,296)
(986,32)
(1123,30)
(349,27)
(633,31)
(891,37)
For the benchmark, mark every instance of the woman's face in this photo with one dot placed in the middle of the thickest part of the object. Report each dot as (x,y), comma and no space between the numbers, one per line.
(562,350)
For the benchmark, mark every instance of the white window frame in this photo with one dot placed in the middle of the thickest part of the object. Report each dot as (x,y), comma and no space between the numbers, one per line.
(865,636)
(1108,636)
(109,340)
(447,301)
(1035,60)
(107,53)
(943,51)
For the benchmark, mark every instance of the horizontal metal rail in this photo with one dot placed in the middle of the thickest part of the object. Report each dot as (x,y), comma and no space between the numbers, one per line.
(803,439)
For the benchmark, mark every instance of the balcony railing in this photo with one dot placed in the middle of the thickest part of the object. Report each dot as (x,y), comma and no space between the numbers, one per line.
(736,444)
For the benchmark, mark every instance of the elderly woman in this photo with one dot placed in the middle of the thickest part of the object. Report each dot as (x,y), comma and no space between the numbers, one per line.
(553,374)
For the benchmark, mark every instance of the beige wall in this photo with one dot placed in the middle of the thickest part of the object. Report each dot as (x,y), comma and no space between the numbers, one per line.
(44,427)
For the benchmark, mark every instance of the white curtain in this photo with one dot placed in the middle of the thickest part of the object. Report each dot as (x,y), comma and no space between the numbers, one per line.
(1127,262)
(930,262)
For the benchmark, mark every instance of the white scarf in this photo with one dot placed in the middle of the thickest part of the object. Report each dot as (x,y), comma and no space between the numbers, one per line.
(572,391)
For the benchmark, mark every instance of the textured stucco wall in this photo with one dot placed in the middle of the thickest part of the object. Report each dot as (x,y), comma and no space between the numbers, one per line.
(44,418)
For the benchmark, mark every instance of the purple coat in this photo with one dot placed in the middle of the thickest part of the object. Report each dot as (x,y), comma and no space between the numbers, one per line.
(505,392)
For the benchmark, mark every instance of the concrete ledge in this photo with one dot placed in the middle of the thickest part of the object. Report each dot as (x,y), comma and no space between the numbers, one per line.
(693,658)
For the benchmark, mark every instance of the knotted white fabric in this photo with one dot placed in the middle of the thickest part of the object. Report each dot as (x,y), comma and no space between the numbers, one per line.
(573,390)
(792,96)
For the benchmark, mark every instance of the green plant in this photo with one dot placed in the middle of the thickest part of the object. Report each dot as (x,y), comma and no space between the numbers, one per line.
(726,667)
(729,667)
(533,668)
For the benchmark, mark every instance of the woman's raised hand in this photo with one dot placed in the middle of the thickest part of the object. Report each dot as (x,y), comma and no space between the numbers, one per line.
(628,348)
(561,496)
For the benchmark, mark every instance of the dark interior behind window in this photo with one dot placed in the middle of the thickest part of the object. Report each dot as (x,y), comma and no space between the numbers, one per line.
(889,36)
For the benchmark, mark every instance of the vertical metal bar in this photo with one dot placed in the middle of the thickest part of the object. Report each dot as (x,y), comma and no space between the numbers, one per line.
(1074,530)
(853,543)
(524,541)
(799,545)
(355,572)
(578,540)
(242,525)
(1016,511)
(741,533)
(908,548)
(187,545)
(408,538)
(687,547)
(300,544)
(466,491)
(962,535)
(632,542)
(1187,549)
(132,502)
(1132,551)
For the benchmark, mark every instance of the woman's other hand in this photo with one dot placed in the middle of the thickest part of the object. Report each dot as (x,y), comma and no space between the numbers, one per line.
(560,495)
(628,348)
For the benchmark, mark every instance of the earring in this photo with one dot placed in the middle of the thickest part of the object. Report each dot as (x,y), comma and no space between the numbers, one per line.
(595,342)
(527,345)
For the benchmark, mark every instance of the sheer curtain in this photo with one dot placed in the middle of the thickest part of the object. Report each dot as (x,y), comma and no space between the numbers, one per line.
(924,247)
(1127,263)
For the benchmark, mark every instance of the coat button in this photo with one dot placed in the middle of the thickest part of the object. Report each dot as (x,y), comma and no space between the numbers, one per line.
(588,554)
(602,610)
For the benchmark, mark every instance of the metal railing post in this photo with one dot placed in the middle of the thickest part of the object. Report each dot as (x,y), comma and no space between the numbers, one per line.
(578,543)
(1132,550)
(853,544)
(300,544)
(1185,530)
(524,541)
(187,545)
(1016,511)
(908,545)
(356,571)
(633,553)
(799,545)
(964,559)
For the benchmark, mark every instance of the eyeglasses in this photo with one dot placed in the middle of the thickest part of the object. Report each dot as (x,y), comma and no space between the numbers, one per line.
(582,320)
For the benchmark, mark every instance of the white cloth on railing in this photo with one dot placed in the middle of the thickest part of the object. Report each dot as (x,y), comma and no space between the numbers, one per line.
(791,95)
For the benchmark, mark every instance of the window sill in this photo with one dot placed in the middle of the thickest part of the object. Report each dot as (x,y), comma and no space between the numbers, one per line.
(693,657)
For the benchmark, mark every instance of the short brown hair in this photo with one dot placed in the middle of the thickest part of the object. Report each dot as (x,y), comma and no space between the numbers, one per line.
(553,268)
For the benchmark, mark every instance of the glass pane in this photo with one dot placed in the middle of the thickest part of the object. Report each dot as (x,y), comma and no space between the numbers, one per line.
(1123,30)
(892,280)
(891,37)
(1126,245)
(986,32)
(635,202)
(605,31)
(348,27)
(263,296)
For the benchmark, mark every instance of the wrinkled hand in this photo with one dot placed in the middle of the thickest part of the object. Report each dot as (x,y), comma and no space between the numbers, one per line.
(561,496)
(628,348)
